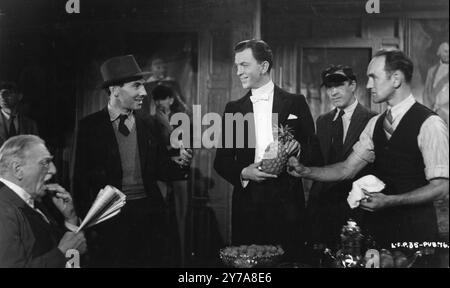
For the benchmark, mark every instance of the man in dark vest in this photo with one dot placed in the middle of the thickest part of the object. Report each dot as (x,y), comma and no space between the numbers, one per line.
(116,146)
(408,146)
(337,131)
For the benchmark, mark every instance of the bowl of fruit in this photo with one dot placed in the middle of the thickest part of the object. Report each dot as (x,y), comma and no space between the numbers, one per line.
(248,256)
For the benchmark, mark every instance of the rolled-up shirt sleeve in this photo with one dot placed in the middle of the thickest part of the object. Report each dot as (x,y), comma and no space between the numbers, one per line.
(433,143)
(364,148)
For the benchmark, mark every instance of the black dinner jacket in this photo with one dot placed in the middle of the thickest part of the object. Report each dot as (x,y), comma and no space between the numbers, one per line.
(229,162)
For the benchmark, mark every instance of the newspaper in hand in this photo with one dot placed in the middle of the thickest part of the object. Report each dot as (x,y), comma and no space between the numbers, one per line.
(108,203)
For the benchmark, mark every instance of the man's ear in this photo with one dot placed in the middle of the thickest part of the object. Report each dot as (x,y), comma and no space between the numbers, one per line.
(17,169)
(20,96)
(353,86)
(114,90)
(265,67)
(397,78)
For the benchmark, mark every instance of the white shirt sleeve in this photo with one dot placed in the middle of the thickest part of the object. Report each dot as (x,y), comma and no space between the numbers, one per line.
(364,148)
(433,143)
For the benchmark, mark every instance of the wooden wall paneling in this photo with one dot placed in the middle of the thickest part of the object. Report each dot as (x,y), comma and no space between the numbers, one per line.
(210,194)
(210,214)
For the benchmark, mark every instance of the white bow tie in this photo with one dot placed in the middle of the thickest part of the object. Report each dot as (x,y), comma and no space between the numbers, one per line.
(256,98)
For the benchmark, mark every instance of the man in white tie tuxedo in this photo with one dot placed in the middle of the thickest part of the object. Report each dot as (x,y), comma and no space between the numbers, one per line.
(408,146)
(29,236)
(266,209)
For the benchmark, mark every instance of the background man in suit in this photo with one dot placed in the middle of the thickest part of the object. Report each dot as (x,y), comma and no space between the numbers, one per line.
(11,121)
(408,146)
(435,95)
(266,209)
(337,132)
(29,236)
(118,147)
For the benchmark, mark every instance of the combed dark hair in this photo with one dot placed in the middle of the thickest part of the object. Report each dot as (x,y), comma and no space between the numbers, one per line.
(397,60)
(108,92)
(161,92)
(261,51)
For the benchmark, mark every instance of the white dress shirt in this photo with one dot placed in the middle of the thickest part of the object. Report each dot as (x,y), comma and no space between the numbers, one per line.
(30,201)
(262,99)
(114,117)
(23,195)
(432,140)
(346,118)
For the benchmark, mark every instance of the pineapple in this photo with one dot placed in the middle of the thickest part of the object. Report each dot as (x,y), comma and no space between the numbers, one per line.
(276,156)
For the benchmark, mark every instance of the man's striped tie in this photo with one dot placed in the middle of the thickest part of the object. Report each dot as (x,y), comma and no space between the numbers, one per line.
(387,124)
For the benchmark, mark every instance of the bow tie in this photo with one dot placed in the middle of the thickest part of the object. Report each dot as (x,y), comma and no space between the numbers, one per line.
(256,98)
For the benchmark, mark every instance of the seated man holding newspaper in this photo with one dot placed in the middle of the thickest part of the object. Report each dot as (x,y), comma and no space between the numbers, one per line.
(29,236)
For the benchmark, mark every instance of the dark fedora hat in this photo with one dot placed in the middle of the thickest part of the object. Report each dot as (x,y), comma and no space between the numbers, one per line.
(119,70)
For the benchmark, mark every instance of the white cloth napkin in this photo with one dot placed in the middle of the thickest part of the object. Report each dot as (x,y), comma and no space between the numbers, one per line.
(369,183)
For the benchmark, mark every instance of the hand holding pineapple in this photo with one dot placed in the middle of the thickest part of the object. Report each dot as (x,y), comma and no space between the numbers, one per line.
(253,173)
(277,153)
(295,168)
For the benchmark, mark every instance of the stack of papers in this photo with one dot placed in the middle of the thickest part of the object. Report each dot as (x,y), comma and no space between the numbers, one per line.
(108,203)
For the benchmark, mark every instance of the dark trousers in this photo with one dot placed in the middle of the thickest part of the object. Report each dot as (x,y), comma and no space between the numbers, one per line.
(140,236)
(265,215)
(328,212)
(413,223)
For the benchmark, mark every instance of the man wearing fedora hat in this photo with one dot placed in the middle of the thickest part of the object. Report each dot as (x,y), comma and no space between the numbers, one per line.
(118,147)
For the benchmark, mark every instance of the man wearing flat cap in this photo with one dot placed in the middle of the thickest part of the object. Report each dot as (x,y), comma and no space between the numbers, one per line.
(116,146)
(408,148)
(337,131)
